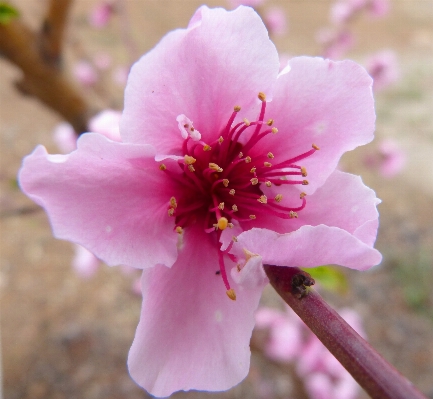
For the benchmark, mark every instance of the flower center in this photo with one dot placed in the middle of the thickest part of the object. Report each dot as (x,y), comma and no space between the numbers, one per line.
(221,181)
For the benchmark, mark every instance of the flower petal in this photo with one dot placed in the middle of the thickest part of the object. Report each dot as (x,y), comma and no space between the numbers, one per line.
(190,335)
(225,58)
(309,246)
(326,103)
(109,197)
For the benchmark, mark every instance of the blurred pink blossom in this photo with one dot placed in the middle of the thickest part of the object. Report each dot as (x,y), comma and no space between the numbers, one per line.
(85,73)
(389,159)
(383,68)
(276,21)
(335,43)
(120,75)
(65,137)
(379,8)
(102,61)
(84,262)
(106,123)
(101,14)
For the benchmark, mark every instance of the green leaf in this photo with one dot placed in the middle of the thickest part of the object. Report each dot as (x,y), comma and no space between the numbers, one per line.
(329,277)
(7,13)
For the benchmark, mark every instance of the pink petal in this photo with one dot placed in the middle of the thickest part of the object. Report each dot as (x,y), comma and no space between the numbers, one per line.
(109,197)
(106,123)
(224,59)
(190,335)
(65,137)
(326,103)
(85,263)
(309,246)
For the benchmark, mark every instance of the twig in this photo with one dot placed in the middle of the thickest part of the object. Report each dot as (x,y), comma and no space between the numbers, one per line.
(379,379)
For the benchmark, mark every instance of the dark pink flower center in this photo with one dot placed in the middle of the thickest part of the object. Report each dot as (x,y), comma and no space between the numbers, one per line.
(221,182)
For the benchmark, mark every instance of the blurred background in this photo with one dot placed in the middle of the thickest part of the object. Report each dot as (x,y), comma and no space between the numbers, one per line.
(67,323)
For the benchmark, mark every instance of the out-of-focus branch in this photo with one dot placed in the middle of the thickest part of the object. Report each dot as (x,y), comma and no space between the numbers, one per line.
(51,35)
(379,379)
(42,76)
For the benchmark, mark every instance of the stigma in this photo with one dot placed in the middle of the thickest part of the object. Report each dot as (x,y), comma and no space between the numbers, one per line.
(223,181)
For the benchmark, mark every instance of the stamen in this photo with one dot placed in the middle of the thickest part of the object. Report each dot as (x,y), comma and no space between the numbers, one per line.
(241,155)
(191,168)
(179,230)
(263,199)
(268,183)
(293,215)
(235,239)
(254,181)
(247,122)
(303,171)
(270,155)
(236,108)
(252,217)
(274,130)
(270,122)
(305,182)
(253,170)
(262,96)
(226,182)
(173,202)
(207,147)
(170,212)
(189,160)
(215,167)
(232,191)
(162,167)
(316,147)
(247,159)
(231,294)
(302,195)
(279,197)
(221,139)
(267,164)
(234,208)
(221,206)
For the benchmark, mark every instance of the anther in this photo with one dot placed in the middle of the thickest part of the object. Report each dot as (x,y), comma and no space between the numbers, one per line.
(221,139)
(230,225)
(231,294)
(253,170)
(267,164)
(252,217)
(262,97)
(234,208)
(254,181)
(225,182)
(293,215)
(274,130)
(241,154)
(247,122)
(316,147)
(215,167)
(270,122)
(191,168)
(235,239)
(305,182)
(189,160)
(236,108)
(162,167)
(263,199)
(232,191)
(170,212)
(222,223)
(270,155)
(278,197)
(179,230)
(304,171)
(268,184)
(207,147)
(173,202)
(221,206)
(302,195)
(247,159)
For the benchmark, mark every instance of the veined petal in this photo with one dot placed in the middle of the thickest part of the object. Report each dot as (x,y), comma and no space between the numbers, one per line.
(309,246)
(326,103)
(199,72)
(109,197)
(190,335)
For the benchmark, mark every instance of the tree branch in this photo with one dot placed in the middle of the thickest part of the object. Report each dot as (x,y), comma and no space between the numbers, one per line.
(379,379)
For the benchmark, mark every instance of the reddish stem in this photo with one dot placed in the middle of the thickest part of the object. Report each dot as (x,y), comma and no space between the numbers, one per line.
(379,378)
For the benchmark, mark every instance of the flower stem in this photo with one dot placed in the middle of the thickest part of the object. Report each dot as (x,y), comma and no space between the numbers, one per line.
(379,378)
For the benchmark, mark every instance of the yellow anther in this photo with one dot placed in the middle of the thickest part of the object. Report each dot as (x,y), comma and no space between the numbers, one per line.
(268,184)
(305,182)
(252,216)
(270,155)
(235,239)
(189,160)
(247,122)
(162,167)
(316,147)
(236,108)
(302,195)
(247,159)
(173,202)
(230,225)
(241,154)
(226,182)
(262,96)
(238,267)
(170,212)
(221,206)
(253,170)
(207,147)
(254,181)
(222,223)
(274,130)
(304,171)
(179,230)
(270,122)
(191,168)
(234,208)
(263,199)
(215,167)
(293,215)
(267,164)
(231,294)
(221,139)
(232,191)
(278,197)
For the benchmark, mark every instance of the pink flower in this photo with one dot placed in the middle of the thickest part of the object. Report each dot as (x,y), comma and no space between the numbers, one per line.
(65,138)
(383,68)
(120,75)
(389,159)
(379,8)
(85,73)
(102,61)
(171,205)
(107,124)
(101,14)
(275,20)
